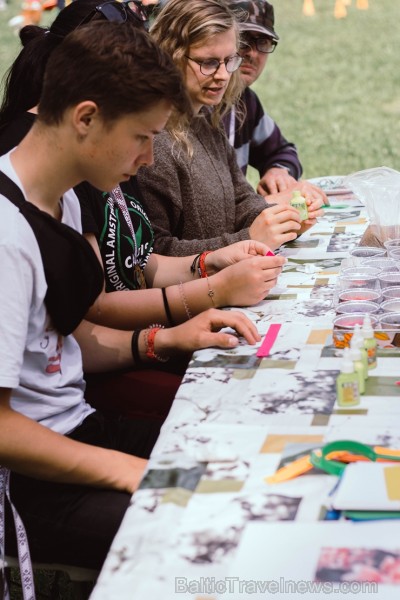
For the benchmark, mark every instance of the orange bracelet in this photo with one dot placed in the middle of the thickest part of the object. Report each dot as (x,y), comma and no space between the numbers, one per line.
(150,335)
(202,263)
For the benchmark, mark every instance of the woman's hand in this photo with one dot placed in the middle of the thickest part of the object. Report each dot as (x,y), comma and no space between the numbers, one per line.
(276,225)
(248,282)
(203,331)
(232,254)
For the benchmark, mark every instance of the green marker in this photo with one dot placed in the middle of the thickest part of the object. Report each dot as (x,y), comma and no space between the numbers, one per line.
(336,206)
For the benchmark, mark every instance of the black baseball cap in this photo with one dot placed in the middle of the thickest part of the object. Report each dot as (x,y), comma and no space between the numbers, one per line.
(255,15)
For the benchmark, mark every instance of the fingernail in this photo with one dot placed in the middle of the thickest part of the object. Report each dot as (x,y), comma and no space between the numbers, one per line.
(233,341)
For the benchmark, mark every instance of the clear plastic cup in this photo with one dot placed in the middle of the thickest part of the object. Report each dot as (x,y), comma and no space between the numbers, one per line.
(381,263)
(390,306)
(361,270)
(349,308)
(394,253)
(368,251)
(359,295)
(392,244)
(389,279)
(390,324)
(390,320)
(343,327)
(360,281)
(391,293)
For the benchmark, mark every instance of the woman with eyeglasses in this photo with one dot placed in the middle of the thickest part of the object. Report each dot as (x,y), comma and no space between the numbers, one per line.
(121,234)
(195,194)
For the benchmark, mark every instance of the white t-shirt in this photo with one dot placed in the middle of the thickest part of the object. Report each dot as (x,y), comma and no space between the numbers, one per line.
(43,368)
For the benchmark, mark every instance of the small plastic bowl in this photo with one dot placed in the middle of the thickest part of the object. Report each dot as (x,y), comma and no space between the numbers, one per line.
(383,264)
(391,306)
(391,293)
(362,271)
(389,279)
(349,308)
(390,321)
(367,251)
(359,280)
(394,253)
(389,324)
(343,327)
(392,243)
(359,295)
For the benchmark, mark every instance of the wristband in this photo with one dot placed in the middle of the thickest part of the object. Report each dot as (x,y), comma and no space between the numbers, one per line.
(135,347)
(167,308)
(202,263)
(194,266)
(150,335)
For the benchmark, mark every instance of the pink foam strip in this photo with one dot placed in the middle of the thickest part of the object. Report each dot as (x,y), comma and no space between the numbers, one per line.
(269,340)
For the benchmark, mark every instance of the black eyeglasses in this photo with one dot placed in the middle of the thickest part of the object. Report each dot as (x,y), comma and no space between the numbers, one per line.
(119,12)
(210,66)
(263,44)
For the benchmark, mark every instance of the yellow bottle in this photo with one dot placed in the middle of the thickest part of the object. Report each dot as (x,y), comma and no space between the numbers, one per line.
(370,343)
(299,203)
(347,388)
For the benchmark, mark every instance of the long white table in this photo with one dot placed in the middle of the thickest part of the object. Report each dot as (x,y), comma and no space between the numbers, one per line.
(205,523)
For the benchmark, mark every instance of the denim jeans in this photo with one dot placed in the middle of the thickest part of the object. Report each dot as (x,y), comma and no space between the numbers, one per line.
(75,524)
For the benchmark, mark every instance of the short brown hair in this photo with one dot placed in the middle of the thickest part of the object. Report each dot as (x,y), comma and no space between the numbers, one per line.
(117,66)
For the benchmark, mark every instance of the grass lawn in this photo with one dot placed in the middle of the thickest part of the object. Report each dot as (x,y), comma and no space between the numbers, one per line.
(333,85)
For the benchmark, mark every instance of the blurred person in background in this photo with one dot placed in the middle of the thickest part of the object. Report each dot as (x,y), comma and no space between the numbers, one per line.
(257,139)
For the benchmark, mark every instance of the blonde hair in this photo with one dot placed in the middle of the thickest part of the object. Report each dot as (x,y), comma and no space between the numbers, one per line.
(184,23)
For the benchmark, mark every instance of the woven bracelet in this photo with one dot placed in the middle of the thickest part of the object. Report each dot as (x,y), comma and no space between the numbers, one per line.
(150,335)
(202,263)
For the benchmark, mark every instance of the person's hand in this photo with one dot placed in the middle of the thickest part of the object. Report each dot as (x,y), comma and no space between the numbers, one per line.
(232,254)
(275,180)
(248,282)
(203,331)
(276,225)
(127,472)
(311,192)
(314,204)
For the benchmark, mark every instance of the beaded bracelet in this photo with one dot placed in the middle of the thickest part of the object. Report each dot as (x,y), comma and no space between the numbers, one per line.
(149,339)
(184,301)
(202,263)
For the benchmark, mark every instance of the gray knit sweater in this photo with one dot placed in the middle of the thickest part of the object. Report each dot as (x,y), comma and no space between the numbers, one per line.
(199,203)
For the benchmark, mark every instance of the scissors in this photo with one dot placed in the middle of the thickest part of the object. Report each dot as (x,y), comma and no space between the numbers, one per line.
(333,458)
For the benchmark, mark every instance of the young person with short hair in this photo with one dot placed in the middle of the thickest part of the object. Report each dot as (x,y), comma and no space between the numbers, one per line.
(73,470)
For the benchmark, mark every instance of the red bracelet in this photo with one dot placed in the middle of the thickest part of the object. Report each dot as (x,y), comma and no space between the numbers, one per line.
(202,263)
(150,335)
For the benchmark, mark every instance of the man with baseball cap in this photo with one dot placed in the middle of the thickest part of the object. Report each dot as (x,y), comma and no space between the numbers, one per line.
(258,140)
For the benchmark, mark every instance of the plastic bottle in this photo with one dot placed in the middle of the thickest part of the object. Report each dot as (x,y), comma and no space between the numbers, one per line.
(347,389)
(358,340)
(299,203)
(370,343)
(355,357)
